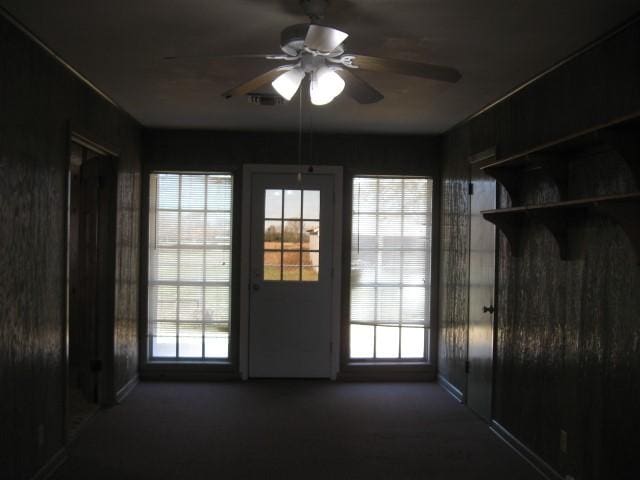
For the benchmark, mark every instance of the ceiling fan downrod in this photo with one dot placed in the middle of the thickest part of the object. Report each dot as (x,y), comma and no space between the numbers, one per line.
(314,9)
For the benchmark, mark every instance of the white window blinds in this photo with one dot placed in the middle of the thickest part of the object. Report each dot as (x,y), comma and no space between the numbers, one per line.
(390,267)
(189,296)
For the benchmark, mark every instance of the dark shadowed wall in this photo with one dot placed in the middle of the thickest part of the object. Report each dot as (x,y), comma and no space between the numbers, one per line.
(40,102)
(567,332)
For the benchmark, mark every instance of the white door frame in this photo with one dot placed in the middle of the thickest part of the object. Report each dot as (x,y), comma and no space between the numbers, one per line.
(245,253)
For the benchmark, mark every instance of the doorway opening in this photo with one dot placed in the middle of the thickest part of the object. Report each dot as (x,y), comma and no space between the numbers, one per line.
(91,282)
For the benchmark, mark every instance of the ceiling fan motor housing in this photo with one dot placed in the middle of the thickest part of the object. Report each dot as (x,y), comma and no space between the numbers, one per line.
(292,42)
(292,38)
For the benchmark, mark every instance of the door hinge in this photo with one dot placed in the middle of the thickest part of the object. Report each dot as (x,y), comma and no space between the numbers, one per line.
(470,188)
(467,366)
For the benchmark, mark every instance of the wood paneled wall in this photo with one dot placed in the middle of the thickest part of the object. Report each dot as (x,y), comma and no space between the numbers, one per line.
(567,332)
(40,102)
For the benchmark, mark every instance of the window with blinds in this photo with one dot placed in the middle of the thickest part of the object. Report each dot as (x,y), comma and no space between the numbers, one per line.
(189,290)
(390,268)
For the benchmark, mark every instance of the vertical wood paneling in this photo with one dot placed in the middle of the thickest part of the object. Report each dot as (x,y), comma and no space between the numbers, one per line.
(568,332)
(454,260)
(39,99)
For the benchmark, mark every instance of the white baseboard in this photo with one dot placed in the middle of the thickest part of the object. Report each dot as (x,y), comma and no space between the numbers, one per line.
(451,389)
(47,470)
(546,470)
(127,389)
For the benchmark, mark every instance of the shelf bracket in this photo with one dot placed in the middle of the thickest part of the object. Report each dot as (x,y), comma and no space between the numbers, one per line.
(627,214)
(560,226)
(509,178)
(557,170)
(625,139)
(510,225)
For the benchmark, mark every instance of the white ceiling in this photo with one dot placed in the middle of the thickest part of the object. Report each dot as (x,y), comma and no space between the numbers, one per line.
(496,44)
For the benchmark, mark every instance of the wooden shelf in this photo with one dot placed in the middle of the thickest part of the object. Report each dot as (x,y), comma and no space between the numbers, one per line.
(552,159)
(563,218)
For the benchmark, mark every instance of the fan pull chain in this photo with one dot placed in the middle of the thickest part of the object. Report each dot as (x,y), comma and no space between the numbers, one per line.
(300,135)
(358,235)
(310,137)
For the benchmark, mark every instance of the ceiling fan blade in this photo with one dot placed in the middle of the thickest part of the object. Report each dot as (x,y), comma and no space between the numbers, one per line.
(404,67)
(257,82)
(323,39)
(358,89)
(267,56)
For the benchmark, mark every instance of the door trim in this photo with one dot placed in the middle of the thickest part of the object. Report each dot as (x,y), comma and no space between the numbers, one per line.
(248,172)
(106,384)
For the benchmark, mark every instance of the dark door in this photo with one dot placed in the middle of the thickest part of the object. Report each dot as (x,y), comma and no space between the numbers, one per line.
(481,295)
(91,269)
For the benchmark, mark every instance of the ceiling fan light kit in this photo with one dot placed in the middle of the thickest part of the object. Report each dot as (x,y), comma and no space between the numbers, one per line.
(312,54)
(326,85)
(287,84)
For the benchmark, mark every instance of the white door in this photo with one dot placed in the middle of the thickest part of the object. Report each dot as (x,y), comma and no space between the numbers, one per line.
(291,275)
(481,295)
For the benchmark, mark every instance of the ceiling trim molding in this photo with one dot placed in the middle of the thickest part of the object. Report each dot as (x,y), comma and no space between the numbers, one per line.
(610,34)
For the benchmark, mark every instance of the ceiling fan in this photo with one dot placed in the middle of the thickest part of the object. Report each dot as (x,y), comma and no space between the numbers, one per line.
(317,51)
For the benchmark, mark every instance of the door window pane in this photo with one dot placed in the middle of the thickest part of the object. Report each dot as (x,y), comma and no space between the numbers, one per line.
(291,266)
(291,235)
(292,242)
(311,203)
(273,204)
(292,203)
(189,265)
(272,265)
(310,266)
(311,235)
(272,234)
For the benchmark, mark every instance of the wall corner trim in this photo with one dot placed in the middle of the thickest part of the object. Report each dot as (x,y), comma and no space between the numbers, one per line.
(450,388)
(127,388)
(49,468)
(542,467)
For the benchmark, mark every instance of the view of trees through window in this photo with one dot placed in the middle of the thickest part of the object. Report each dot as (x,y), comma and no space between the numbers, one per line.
(292,235)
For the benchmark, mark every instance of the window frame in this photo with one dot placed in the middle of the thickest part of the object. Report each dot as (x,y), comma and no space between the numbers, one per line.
(169,367)
(398,367)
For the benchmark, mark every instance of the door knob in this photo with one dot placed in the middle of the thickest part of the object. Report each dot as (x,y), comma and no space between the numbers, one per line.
(488,309)
(255,287)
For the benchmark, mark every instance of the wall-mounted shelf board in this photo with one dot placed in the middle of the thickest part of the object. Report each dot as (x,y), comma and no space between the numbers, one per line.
(552,158)
(561,218)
